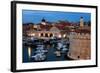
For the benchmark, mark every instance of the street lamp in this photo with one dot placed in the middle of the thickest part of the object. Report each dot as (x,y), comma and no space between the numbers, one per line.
(64,35)
(33,34)
(59,35)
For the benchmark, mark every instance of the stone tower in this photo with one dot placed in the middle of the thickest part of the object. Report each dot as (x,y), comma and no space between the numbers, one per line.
(81,22)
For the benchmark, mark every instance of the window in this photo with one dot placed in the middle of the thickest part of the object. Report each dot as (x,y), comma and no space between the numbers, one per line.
(46,35)
(41,34)
(51,35)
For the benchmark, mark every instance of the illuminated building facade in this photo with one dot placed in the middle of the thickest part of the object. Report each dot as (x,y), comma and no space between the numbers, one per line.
(46,31)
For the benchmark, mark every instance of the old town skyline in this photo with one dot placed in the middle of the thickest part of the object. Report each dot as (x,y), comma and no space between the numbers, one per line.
(35,16)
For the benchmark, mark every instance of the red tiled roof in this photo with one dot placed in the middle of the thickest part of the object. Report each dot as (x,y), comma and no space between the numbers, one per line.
(82,31)
(45,27)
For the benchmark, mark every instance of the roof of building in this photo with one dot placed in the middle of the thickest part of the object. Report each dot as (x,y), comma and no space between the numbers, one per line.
(82,31)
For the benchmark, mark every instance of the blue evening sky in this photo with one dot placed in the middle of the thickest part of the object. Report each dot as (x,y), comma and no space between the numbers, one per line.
(34,16)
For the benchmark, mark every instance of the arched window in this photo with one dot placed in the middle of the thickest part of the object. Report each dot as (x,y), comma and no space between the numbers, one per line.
(51,34)
(41,34)
(78,57)
(46,35)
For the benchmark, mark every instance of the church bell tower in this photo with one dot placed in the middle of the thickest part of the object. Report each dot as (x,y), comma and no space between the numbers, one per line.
(81,22)
(43,21)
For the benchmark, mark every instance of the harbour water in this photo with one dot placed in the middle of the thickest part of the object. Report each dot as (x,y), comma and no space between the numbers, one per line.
(45,53)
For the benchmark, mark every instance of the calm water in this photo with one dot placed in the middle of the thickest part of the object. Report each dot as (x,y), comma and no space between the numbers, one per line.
(50,55)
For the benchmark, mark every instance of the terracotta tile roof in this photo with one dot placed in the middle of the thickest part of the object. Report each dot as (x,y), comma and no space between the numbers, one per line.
(82,31)
(45,27)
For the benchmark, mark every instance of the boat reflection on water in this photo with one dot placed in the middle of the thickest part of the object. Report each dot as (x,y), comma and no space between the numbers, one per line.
(29,52)
(35,54)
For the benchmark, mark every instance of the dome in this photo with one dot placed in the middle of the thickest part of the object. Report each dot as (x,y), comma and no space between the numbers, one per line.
(43,20)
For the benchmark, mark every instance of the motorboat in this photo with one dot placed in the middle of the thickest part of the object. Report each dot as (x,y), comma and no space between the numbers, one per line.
(39,57)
